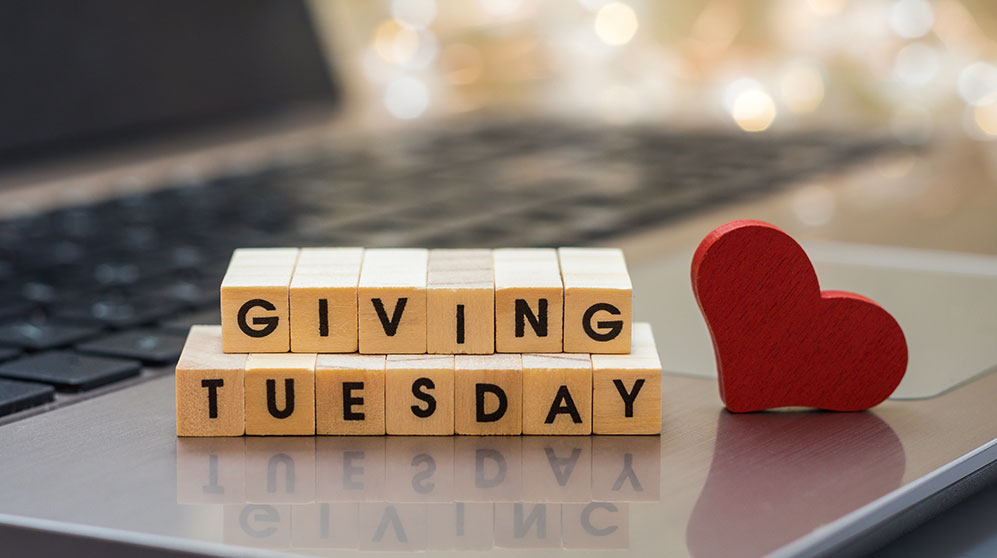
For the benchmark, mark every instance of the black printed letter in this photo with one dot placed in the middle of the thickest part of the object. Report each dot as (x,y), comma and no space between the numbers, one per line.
(269,323)
(615,326)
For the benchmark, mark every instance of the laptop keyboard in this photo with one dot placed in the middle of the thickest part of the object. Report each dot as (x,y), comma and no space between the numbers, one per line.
(94,292)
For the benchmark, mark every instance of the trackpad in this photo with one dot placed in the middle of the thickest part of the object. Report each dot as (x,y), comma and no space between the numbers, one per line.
(944,301)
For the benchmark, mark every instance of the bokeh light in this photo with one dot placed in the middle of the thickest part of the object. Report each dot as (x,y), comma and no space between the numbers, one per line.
(406,98)
(616,23)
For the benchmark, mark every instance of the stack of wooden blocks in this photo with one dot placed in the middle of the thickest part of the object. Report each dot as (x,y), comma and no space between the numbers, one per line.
(348,341)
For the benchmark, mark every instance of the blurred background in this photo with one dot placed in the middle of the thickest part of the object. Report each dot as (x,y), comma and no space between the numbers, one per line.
(910,68)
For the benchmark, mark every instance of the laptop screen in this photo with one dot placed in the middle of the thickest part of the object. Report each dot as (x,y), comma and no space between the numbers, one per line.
(80,75)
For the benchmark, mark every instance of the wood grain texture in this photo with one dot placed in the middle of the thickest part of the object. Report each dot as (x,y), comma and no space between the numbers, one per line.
(349,394)
(780,341)
(210,392)
(598,300)
(255,288)
(460,302)
(269,408)
(528,281)
(488,394)
(323,300)
(419,394)
(390,278)
(626,389)
(557,394)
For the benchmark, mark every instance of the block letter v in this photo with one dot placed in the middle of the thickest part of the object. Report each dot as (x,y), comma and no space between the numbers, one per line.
(390,326)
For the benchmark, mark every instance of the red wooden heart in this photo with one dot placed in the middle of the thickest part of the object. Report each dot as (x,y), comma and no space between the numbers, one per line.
(779,340)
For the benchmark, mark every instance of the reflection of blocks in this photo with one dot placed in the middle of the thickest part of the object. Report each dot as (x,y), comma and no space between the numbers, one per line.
(596,525)
(280,394)
(419,469)
(626,389)
(280,470)
(383,526)
(460,302)
(257,525)
(419,394)
(488,394)
(210,392)
(254,301)
(324,525)
(323,300)
(559,468)
(597,300)
(349,469)
(459,526)
(488,468)
(527,525)
(349,394)
(391,301)
(626,468)
(211,471)
(529,300)
(557,394)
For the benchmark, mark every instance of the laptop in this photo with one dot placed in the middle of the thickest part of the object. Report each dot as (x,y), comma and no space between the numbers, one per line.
(142,142)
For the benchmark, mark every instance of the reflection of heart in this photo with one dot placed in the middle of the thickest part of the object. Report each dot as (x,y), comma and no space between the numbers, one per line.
(777,476)
(779,340)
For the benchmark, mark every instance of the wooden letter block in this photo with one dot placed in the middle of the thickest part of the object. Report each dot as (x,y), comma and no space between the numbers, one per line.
(460,302)
(324,525)
(521,525)
(557,394)
(350,469)
(419,394)
(596,525)
(323,300)
(626,389)
(598,300)
(349,394)
(488,394)
(280,394)
(210,392)
(529,301)
(254,300)
(392,301)
(280,470)
(211,470)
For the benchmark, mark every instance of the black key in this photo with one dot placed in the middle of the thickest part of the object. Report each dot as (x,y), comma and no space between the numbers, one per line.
(17,396)
(13,309)
(7,353)
(70,372)
(38,337)
(149,346)
(182,323)
(115,313)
